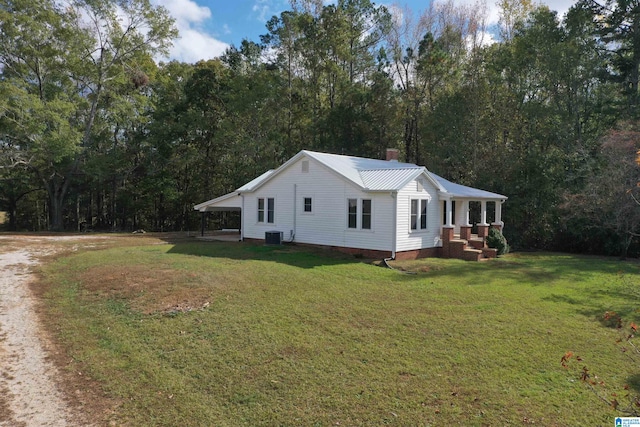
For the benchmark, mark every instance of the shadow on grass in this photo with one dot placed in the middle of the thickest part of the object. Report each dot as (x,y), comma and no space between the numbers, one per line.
(543,269)
(620,297)
(634,382)
(296,256)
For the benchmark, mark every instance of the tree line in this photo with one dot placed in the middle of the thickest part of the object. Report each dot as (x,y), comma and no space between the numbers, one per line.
(97,134)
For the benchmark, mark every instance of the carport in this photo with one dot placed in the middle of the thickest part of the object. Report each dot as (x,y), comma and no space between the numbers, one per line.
(231,202)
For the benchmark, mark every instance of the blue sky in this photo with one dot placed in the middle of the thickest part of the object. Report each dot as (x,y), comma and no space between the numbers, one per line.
(208,27)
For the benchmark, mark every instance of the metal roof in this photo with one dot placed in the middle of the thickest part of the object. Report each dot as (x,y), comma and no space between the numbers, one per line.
(462,191)
(389,179)
(217,204)
(352,167)
(249,186)
(368,174)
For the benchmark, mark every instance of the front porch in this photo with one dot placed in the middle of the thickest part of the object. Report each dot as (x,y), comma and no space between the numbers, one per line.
(458,239)
(468,247)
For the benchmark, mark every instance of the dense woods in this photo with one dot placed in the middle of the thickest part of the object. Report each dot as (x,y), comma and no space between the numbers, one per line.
(95,134)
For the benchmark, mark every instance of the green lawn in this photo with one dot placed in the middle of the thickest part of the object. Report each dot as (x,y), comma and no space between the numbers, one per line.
(220,334)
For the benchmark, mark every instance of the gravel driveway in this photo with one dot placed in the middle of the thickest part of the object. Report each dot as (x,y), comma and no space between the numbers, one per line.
(29,395)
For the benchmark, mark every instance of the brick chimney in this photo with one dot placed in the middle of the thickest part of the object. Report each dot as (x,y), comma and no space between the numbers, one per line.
(392,154)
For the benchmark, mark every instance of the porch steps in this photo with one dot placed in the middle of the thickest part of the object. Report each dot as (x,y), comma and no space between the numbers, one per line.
(473,249)
(477,242)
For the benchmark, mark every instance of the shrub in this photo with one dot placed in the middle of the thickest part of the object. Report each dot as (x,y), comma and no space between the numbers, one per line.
(496,240)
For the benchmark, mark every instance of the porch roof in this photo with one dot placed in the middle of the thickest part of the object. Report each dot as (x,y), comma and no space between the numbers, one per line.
(226,203)
(462,191)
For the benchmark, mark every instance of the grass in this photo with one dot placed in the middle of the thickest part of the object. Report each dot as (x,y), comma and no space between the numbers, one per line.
(203,333)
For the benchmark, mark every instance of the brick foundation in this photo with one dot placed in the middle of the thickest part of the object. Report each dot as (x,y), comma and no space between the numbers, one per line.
(451,248)
(483,230)
(465,232)
(418,253)
(365,253)
(447,236)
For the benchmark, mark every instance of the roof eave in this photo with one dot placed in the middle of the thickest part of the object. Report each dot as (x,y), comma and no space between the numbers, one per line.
(493,197)
(202,206)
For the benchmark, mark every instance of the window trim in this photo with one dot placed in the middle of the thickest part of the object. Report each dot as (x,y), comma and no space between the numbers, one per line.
(304,205)
(358,214)
(271,210)
(353,214)
(260,218)
(266,214)
(421,214)
(368,214)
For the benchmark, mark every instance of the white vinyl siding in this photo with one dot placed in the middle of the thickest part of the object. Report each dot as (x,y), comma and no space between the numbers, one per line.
(328,225)
(417,215)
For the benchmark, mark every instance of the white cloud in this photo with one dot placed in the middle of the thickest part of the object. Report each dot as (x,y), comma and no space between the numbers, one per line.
(560,6)
(493,11)
(194,42)
(185,10)
(263,10)
(194,45)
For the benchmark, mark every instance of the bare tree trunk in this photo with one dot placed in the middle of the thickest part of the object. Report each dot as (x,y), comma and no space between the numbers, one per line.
(57,194)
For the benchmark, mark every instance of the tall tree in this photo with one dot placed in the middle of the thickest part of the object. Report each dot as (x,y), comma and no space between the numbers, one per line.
(427,55)
(611,197)
(57,73)
(513,13)
(618,26)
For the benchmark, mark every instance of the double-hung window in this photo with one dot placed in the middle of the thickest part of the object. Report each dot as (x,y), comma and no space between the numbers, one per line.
(352,213)
(266,208)
(418,219)
(365,221)
(359,214)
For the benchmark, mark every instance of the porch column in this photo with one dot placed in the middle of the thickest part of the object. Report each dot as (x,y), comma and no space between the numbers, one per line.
(483,218)
(465,209)
(498,224)
(463,220)
(449,204)
(483,227)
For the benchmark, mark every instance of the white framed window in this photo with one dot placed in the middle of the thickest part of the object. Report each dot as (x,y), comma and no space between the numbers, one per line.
(260,210)
(352,213)
(418,214)
(359,214)
(307,205)
(266,209)
(365,216)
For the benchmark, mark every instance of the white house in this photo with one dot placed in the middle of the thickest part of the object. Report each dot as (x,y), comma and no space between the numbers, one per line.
(380,208)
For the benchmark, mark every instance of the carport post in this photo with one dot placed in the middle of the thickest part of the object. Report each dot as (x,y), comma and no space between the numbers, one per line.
(202,214)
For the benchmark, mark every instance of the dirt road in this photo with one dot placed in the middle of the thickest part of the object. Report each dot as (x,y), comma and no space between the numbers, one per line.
(29,395)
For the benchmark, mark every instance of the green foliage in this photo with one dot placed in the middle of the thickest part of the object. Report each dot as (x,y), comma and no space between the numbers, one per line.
(496,240)
(119,142)
(67,84)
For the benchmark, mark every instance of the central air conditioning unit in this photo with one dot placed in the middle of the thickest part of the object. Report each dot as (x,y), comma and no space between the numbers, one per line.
(273,237)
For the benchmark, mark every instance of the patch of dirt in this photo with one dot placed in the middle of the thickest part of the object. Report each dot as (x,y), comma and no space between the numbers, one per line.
(148,291)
